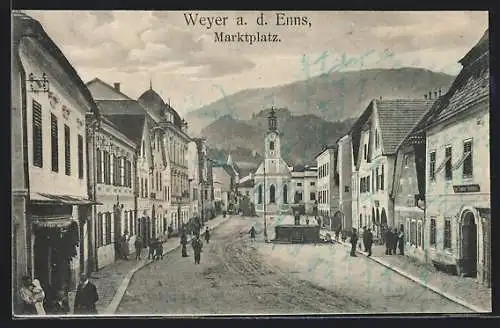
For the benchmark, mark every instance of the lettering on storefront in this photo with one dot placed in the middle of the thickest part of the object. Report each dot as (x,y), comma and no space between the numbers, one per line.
(466,188)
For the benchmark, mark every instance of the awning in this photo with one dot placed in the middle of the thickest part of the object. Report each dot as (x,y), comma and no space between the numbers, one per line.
(42,198)
(460,162)
(442,165)
(53,222)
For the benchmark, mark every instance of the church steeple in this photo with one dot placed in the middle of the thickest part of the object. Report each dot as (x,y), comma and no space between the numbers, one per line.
(272,120)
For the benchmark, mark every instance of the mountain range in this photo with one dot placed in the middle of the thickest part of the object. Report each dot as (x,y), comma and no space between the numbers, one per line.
(311,112)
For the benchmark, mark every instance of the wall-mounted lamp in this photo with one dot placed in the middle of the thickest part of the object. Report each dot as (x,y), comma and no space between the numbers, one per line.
(38,83)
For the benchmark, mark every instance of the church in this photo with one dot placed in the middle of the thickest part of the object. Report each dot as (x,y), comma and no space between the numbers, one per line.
(273,177)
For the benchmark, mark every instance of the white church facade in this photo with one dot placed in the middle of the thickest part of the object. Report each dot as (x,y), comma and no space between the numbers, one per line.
(272,187)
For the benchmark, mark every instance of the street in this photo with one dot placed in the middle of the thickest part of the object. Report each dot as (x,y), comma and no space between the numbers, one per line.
(237,277)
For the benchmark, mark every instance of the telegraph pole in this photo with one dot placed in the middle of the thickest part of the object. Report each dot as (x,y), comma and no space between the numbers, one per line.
(265,200)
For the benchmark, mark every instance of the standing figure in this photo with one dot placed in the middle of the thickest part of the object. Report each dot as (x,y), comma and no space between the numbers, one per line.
(369,241)
(388,241)
(86,297)
(124,245)
(184,242)
(354,241)
(38,296)
(197,245)
(395,237)
(28,306)
(207,235)
(151,250)
(138,247)
(252,233)
(401,242)
(158,250)
(365,235)
(170,230)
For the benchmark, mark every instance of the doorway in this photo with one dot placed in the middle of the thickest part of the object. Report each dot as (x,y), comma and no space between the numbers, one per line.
(117,221)
(469,245)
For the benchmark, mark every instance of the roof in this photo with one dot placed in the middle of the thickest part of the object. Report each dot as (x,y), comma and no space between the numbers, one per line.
(131,126)
(397,118)
(107,85)
(324,149)
(120,107)
(247,184)
(471,85)
(25,26)
(151,100)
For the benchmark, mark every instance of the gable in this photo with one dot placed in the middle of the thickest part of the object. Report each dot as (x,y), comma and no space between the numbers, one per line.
(100,90)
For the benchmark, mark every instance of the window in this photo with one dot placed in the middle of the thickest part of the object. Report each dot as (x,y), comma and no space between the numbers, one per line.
(368,183)
(161,182)
(146,191)
(271,145)
(99,232)
(432,165)
(122,171)
(377,179)
(54,143)
(108,229)
(67,150)
(99,165)
(107,167)
(448,173)
(312,196)
(285,194)
(376,138)
(312,184)
(260,195)
(299,184)
(365,151)
(80,157)
(467,165)
(406,160)
(413,233)
(433,232)
(37,135)
(407,231)
(382,178)
(447,233)
(143,149)
(419,234)
(346,188)
(272,194)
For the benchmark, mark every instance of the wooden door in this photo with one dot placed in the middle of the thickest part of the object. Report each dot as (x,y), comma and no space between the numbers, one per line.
(469,247)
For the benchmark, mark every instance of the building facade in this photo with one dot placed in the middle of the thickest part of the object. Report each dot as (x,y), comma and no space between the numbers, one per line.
(194,180)
(206,184)
(222,180)
(344,169)
(273,177)
(303,188)
(327,186)
(51,208)
(457,219)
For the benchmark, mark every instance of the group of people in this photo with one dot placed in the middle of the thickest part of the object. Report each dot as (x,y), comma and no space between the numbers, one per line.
(392,239)
(122,246)
(35,302)
(196,244)
(155,252)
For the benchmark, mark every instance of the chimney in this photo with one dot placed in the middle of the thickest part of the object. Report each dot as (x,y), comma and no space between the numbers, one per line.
(430,94)
(425,96)
(117,86)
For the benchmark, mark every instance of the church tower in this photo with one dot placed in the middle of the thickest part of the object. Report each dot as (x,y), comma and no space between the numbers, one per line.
(272,148)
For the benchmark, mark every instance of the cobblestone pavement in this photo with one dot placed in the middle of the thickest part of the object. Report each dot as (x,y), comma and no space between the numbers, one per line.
(110,277)
(239,277)
(466,289)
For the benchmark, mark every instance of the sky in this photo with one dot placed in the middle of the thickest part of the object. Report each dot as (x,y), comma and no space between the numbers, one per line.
(190,69)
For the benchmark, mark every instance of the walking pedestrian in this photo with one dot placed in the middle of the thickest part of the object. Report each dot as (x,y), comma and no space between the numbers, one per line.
(207,235)
(138,247)
(252,233)
(365,235)
(369,241)
(158,250)
(388,241)
(184,242)
(86,297)
(151,250)
(395,239)
(197,245)
(354,241)
(401,242)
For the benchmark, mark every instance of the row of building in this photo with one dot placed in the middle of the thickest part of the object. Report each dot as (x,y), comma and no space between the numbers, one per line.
(417,165)
(91,165)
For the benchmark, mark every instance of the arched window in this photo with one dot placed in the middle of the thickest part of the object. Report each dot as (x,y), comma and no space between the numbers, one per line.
(272,194)
(271,145)
(285,194)
(260,195)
